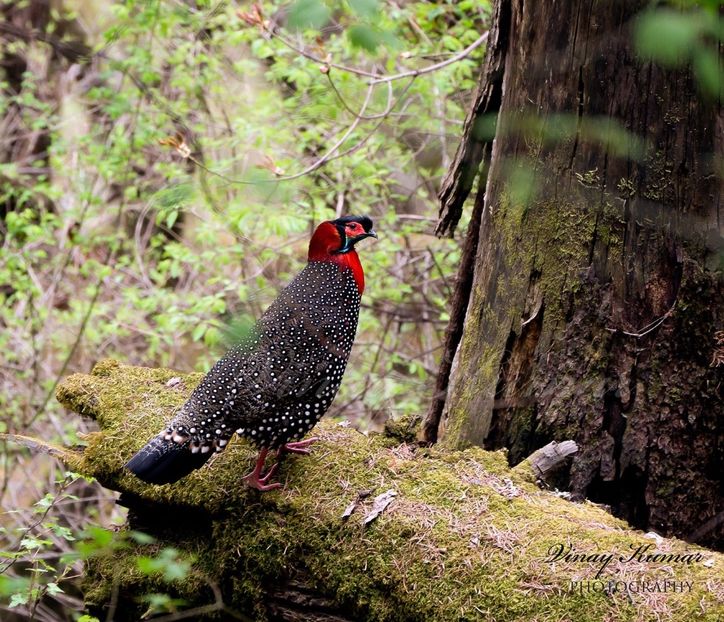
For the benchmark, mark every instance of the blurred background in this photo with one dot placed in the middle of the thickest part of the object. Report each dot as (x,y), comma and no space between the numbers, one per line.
(162,166)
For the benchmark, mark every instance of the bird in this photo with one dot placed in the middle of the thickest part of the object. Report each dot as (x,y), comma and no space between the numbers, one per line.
(273,386)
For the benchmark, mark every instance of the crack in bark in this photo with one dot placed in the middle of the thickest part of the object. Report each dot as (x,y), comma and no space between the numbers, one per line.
(579,119)
(472,151)
(513,398)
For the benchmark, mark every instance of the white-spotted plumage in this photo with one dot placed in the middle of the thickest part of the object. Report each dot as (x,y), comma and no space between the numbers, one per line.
(275,386)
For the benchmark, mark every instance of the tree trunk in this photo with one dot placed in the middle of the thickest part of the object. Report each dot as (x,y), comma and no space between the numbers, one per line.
(594,303)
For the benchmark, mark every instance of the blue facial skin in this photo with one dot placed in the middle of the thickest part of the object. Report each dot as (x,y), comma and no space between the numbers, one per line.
(350,242)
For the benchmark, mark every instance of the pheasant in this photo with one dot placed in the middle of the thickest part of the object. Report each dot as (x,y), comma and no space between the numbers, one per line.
(275,385)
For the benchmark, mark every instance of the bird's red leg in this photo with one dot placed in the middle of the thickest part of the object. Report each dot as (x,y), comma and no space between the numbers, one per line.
(256,480)
(299,447)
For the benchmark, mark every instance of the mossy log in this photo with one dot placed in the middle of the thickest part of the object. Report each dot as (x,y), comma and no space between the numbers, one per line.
(465,537)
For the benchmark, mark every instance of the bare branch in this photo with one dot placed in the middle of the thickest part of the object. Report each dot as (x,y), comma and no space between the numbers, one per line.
(413,73)
(325,62)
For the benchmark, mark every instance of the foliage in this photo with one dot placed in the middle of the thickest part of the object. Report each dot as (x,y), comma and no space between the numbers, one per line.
(153,199)
(51,555)
(693,36)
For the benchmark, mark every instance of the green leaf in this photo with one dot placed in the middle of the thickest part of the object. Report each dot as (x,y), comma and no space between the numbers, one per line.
(13,585)
(95,540)
(159,603)
(198,332)
(308,14)
(666,35)
(171,219)
(365,37)
(239,330)
(485,126)
(142,538)
(706,66)
(53,589)
(18,599)
(33,543)
(167,563)
(364,8)
(521,186)
(44,503)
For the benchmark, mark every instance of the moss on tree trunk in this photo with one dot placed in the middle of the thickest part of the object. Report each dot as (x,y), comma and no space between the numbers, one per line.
(595,300)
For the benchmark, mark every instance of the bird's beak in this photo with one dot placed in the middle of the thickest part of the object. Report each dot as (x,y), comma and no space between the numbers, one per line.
(368,234)
(351,241)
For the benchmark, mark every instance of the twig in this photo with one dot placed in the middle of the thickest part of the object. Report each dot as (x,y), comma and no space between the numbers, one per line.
(196,612)
(413,73)
(327,157)
(330,153)
(369,135)
(376,78)
(371,117)
(646,329)
(360,72)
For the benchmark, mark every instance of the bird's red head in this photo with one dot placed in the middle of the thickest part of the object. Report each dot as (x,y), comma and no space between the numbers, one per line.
(334,241)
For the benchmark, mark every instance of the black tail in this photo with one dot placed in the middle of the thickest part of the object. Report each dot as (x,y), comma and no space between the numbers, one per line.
(162,462)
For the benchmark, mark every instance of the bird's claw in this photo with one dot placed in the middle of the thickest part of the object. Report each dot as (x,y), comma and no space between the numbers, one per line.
(299,447)
(253,480)
(256,484)
(256,480)
(265,478)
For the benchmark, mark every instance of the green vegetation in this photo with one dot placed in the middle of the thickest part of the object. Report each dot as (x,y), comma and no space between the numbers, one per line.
(159,187)
(675,38)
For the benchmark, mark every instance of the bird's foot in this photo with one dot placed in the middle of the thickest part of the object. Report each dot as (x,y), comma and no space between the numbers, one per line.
(256,480)
(299,447)
(253,480)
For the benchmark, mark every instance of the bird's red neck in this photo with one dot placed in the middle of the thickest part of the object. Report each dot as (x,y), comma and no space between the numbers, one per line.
(323,246)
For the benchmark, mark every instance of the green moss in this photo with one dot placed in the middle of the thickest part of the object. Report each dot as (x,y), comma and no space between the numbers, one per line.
(403,429)
(658,184)
(589,179)
(627,187)
(466,538)
(474,395)
(528,256)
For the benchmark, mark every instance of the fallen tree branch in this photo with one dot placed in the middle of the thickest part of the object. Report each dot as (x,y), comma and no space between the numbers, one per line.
(466,538)
(68,456)
(546,460)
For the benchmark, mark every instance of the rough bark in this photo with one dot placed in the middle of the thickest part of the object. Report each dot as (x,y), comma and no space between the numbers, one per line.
(469,163)
(465,538)
(458,305)
(595,302)
(478,130)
